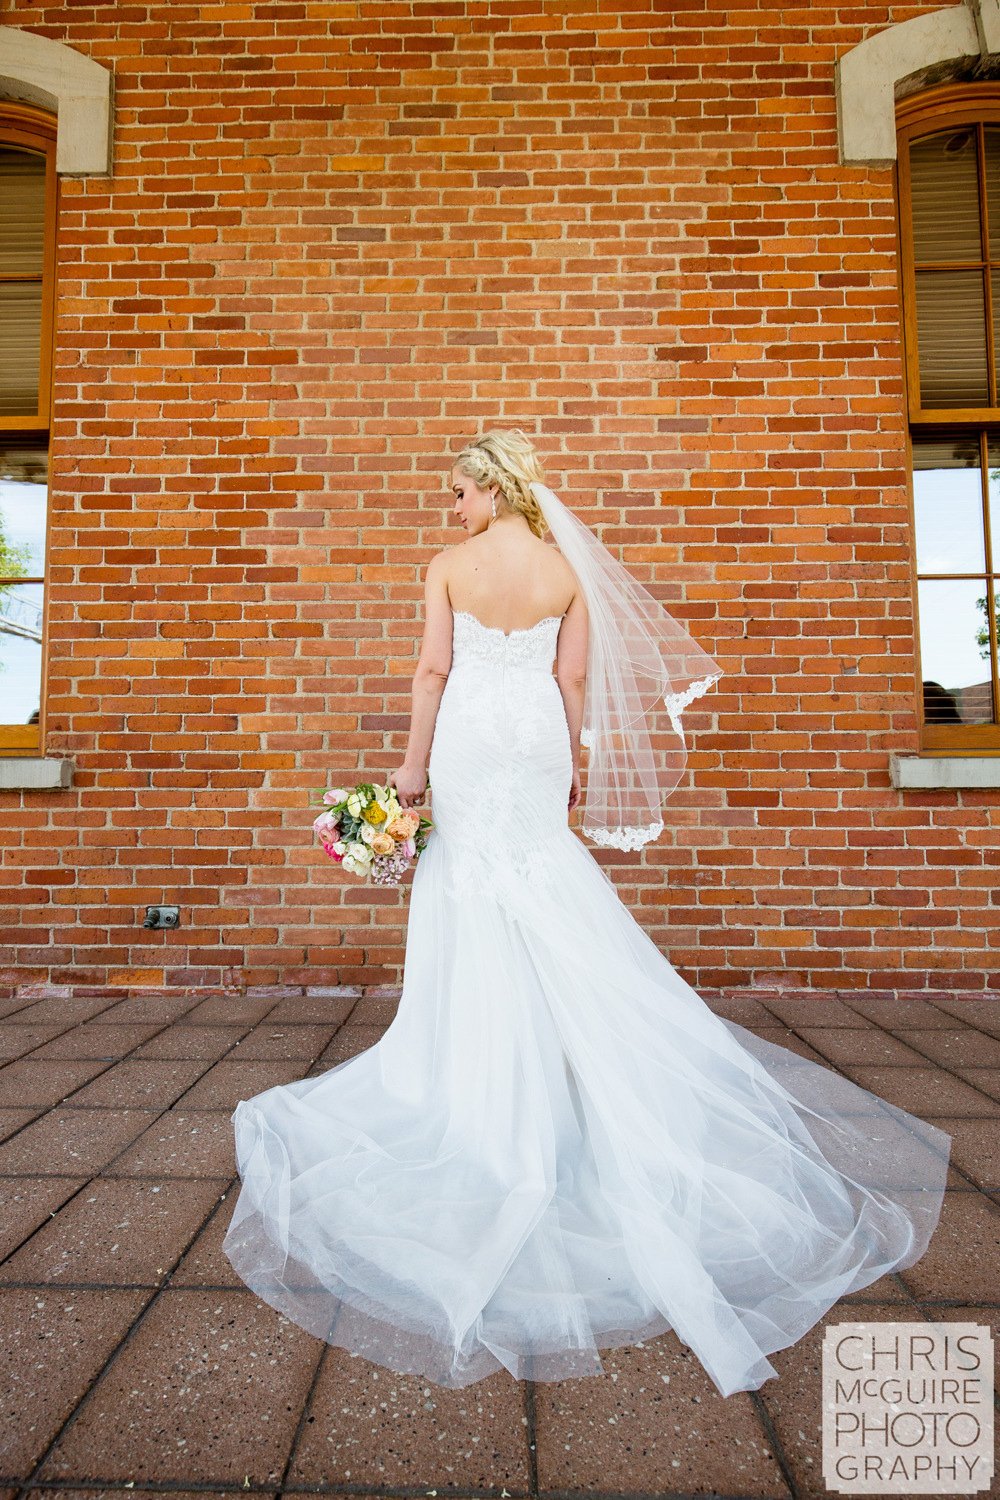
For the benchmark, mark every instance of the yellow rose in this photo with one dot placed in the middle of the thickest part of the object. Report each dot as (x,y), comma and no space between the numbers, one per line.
(374,814)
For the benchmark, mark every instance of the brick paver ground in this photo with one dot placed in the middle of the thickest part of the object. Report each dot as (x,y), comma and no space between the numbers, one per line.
(131,1357)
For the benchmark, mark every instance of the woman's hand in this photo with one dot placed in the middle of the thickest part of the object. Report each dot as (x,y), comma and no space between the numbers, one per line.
(574,790)
(411,783)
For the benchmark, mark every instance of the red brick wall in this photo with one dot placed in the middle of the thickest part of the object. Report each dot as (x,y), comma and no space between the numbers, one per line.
(338,240)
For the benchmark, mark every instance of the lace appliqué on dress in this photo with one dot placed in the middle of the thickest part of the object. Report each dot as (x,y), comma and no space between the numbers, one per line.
(484,864)
(488,861)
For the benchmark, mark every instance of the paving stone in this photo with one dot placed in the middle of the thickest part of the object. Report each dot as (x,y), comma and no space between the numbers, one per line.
(53,1344)
(895,1013)
(321,1010)
(45,1082)
(136,1492)
(975,1149)
(794,1402)
(228,1010)
(284,1039)
(375,1010)
(162,1008)
(233,1079)
(182,1041)
(98,1039)
(117,1231)
(784,1036)
(984,1014)
(17,1040)
(11,1120)
(66,1140)
(986,1080)
(810,1010)
(69,1010)
(26,1202)
(348,1042)
(208,1390)
(143,1082)
(12,1005)
(956,1046)
(370,1426)
(962,1258)
(927,1092)
(205,1264)
(181,1143)
(743,1010)
(843,1044)
(652,1424)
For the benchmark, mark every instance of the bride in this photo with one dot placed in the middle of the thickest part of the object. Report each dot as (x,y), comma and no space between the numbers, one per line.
(556,1147)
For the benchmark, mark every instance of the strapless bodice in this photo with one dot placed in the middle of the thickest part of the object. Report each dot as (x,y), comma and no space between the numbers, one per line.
(474,642)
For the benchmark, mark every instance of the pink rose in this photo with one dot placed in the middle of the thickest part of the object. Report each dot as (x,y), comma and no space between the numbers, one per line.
(327,827)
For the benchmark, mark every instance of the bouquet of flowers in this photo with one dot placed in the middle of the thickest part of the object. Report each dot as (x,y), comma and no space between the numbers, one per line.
(368,833)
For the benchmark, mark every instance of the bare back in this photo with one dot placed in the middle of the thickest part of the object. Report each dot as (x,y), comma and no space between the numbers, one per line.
(509,578)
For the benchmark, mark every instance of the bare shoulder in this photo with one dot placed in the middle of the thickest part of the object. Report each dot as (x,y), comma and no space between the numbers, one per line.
(563,571)
(441,568)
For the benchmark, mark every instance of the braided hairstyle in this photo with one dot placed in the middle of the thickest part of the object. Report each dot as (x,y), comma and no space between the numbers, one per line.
(506,457)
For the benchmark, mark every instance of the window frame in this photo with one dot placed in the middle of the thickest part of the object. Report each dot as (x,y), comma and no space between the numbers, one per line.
(931,110)
(34,129)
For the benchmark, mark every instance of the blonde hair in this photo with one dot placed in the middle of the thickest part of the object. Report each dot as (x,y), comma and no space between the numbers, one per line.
(506,457)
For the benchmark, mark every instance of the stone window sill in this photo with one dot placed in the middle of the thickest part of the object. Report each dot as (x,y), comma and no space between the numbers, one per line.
(945,772)
(34,773)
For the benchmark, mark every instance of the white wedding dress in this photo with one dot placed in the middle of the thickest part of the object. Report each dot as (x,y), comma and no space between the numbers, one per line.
(556,1147)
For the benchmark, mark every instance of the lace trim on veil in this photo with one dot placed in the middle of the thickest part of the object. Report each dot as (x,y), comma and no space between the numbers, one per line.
(635,836)
(676,703)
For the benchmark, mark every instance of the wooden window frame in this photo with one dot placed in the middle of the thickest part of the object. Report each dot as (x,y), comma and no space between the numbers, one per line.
(33,128)
(934,109)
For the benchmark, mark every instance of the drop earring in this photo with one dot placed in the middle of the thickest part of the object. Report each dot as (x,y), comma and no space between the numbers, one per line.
(493,503)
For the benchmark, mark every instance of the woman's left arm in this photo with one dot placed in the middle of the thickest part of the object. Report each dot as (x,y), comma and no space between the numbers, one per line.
(429,678)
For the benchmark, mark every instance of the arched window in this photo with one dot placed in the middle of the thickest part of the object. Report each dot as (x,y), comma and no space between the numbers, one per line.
(948,182)
(28,193)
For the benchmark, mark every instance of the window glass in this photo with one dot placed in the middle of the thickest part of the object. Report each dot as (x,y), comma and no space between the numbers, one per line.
(954,650)
(948,503)
(23,497)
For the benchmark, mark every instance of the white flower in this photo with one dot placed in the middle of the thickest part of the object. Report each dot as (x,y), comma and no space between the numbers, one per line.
(359,851)
(340,847)
(355,805)
(368,832)
(353,866)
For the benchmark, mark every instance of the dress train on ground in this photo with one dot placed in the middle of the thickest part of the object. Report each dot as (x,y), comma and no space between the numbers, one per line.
(556,1147)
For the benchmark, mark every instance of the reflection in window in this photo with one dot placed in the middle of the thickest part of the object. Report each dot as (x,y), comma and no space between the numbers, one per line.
(950,501)
(955,651)
(23,496)
(948,504)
